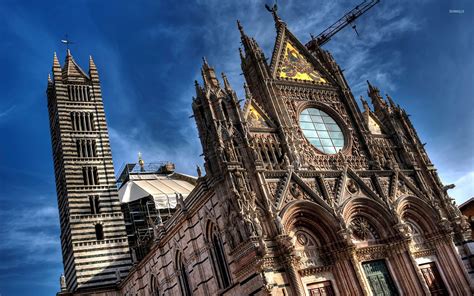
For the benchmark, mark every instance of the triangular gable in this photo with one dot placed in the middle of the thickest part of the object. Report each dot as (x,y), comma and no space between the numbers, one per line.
(255,116)
(291,60)
(255,119)
(295,65)
(374,125)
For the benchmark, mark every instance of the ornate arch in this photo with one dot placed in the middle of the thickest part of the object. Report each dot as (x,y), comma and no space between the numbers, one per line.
(420,212)
(310,215)
(378,218)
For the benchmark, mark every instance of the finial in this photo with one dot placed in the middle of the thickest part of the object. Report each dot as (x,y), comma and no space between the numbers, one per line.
(68,52)
(141,162)
(204,61)
(273,11)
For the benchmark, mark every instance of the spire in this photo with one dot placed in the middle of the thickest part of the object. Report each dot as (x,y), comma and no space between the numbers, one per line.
(374,94)
(391,102)
(91,64)
(209,75)
(365,104)
(56,61)
(241,29)
(56,68)
(227,86)
(93,74)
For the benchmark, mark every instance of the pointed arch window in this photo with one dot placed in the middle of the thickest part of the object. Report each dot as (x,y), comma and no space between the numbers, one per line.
(219,262)
(183,276)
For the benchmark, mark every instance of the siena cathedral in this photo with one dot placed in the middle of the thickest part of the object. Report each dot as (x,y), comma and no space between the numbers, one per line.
(302,192)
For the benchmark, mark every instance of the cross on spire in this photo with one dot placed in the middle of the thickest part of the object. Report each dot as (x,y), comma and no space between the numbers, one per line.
(66,41)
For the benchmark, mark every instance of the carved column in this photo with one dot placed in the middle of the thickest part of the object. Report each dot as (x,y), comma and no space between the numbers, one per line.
(409,281)
(456,275)
(291,265)
(352,263)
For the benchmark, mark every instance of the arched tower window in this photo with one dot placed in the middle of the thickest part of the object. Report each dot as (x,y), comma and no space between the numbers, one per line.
(183,276)
(99,232)
(219,262)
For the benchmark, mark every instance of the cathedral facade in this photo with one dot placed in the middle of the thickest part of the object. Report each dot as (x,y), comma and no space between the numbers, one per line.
(303,193)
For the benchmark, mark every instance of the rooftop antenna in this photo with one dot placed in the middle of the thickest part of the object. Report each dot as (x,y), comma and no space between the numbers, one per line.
(347,19)
(66,41)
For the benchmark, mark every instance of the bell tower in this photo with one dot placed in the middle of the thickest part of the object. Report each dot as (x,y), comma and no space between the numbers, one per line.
(93,238)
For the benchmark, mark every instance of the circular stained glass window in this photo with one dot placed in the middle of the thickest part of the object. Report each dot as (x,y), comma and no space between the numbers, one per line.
(321,130)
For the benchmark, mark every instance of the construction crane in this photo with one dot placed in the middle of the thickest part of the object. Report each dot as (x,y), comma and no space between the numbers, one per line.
(347,19)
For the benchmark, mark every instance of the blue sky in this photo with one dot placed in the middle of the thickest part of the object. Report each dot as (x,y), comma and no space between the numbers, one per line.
(149,53)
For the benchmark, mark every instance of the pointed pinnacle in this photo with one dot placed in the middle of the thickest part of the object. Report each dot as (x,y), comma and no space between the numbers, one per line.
(56,63)
(49,77)
(204,62)
(226,82)
(68,52)
(365,104)
(91,63)
(392,103)
(239,26)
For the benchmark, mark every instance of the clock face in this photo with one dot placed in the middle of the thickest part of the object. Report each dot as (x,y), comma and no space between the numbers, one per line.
(321,130)
(296,66)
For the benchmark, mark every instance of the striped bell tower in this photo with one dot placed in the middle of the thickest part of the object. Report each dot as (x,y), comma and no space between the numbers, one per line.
(93,238)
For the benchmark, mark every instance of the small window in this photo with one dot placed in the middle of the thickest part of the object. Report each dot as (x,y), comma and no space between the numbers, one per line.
(99,232)
(90,175)
(94,204)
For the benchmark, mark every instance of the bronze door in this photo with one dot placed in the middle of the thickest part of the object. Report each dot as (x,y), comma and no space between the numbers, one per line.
(379,278)
(433,279)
